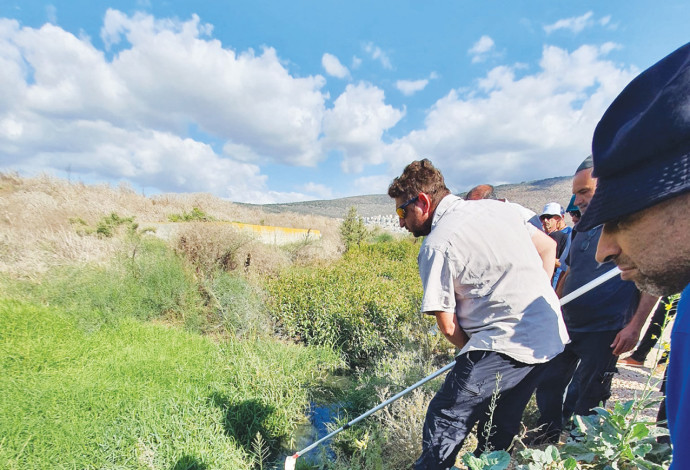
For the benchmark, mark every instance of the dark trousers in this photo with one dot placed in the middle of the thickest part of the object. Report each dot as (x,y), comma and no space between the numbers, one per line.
(591,355)
(464,400)
(651,336)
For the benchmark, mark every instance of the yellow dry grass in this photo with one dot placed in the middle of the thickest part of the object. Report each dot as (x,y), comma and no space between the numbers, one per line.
(36,232)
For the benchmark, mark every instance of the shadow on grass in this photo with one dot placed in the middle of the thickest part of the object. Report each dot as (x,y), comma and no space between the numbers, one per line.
(189,463)
(243,420)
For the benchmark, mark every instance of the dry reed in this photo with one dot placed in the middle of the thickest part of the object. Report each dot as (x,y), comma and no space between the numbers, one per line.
(37,229)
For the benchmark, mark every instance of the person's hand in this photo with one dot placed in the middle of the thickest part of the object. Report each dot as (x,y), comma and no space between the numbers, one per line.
(625,340)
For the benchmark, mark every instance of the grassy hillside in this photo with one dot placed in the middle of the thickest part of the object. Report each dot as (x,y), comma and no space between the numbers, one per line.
(119,350)
(43,221)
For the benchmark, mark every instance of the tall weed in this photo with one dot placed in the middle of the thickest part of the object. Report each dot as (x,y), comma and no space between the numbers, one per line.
(360,304)
(238,305)
(147,283)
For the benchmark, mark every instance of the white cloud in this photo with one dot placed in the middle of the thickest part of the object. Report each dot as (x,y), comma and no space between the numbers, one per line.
(517,128)
(482,46)
(159,107)
(356,62)
(149,158)
(576,24)
(410,87)
(481,49)
(319,191)
(333,67)
(356,124)
(377,184)
(65,103)
(377,53)
(247,98)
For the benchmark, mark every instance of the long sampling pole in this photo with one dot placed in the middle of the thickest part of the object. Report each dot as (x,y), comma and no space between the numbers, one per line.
(291,460)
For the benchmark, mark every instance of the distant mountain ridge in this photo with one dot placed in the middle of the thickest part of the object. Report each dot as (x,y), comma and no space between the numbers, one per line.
(533,195)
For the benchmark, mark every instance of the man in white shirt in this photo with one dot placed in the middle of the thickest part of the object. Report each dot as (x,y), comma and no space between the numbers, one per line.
(485,282)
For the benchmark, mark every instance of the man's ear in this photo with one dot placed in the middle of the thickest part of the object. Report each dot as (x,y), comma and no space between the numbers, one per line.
(426,202)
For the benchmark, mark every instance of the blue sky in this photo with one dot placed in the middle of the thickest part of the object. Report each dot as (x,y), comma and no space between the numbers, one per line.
(272,101)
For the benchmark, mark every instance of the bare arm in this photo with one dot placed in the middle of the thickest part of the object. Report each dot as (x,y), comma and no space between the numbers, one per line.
(449,326)
(546,247)
(561,282)
(626,339)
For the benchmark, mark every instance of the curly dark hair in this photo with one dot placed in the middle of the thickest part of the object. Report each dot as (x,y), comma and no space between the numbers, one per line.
(420,176)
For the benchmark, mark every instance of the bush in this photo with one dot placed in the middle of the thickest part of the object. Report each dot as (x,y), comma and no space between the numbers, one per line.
(196,215)
(106,227)
(211,247)
(362,304)
(150,282)
(238,305)
(352,230)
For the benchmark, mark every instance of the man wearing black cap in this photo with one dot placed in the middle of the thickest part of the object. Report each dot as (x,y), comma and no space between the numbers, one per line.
(641,150)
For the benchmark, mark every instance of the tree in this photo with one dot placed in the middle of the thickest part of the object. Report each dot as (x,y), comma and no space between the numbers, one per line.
(352,230)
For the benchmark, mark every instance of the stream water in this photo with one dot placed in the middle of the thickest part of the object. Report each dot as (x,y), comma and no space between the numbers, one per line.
(319,416)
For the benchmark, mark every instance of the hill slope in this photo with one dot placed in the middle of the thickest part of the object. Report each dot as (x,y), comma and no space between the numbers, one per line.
(533,195)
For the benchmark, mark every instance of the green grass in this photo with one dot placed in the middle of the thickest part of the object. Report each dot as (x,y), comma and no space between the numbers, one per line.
(137,395)
(146,281)
(237,305)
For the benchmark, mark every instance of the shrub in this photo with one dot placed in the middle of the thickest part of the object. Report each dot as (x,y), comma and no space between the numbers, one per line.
(146,283)
(617,436)
(196,215)
(362,304)
(211,247)
(106,227)
(237,305)
(352,230)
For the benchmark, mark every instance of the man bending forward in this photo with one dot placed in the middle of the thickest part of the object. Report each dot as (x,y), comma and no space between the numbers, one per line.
(485,283)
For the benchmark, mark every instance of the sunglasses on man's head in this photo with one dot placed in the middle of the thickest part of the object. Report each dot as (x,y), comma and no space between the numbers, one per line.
(401,209)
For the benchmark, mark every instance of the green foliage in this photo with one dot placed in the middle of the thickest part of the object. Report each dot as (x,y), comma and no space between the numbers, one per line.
(546,459)
(237,305)
(352,230)
(614,438)
(150,282)
(195,215)
(362,304)
(142,396)
(496,460)
(358,448)
(260,450)
(383,237)
(106,227)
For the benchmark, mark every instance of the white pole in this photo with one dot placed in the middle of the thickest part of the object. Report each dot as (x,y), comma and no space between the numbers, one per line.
(292,459)
(590,285)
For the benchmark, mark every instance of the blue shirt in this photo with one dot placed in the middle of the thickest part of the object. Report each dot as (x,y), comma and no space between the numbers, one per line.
(607,307)
(678,385)
(563,256)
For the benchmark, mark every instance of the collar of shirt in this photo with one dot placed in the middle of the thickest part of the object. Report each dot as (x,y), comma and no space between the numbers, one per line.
(446,203)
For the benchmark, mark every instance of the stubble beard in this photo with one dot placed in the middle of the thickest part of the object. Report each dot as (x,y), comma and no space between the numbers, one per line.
(423,231)
(664,282)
